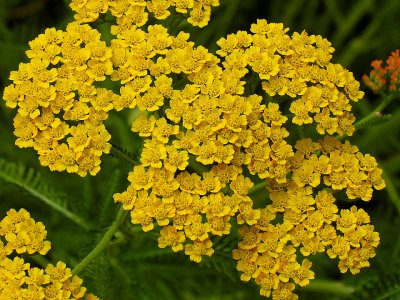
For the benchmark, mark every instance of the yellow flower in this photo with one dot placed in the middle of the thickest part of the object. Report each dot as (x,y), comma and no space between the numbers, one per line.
(189,182)
(170,236)
(143,125)
(159,8)
(312,246)
(141,178)
(153,153)
(301,110)
(68,158)
(197,231)
(327,234)
(127,198)
(272,114)
(150,101)
(139,216)
(205,153)
(247,214)
(176,159)
(267,66)
(303,274)
(219,225)
(340,247)
(199,15)
(347,220)
(163,130)
(58,273)
(162,212)
(305,175)
(89,162)
(241,185)
(198,249)
(25,236)
(208,184)
(79,139)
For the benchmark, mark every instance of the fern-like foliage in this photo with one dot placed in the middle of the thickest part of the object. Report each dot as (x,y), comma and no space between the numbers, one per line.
(222,260)
(383,286)
(378,119)
(106,201)
(98,276)
(31,181)
(123,156)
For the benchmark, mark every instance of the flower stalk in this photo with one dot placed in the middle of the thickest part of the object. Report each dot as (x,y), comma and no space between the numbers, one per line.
(103,243)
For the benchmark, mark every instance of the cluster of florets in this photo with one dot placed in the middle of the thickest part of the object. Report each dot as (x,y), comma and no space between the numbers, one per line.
(61,104)
(136,12)
(386,78)
(303,219)
(60,111)
(336,165)
(20,234)
(209,141)
(296,68)
(205,142)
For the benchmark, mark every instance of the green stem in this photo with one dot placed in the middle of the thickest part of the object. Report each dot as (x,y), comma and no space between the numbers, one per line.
(258,187)
(103,243)
(121,155)
(41,260)
(196,166)
(375,113)
(329,287)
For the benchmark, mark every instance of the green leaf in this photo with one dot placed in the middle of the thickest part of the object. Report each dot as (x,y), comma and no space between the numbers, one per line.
(30,180)
(379,119)
(383,286)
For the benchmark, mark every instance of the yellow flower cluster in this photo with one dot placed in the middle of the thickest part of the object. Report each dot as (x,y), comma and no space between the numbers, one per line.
(268,254)
(210,127)
(60,112)
(61,106)
(298,68)
(310,224)
(136,12)
(20,234)
(339,166)
(207,137)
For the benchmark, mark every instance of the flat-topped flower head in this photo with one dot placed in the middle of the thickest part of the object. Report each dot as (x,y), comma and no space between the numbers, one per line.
(20,235)
(215,129)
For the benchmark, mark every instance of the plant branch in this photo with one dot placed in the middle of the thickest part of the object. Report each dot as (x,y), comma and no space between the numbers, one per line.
(329,287)
(257,187)
(376,112)
(122,156)
(103,243)
(196,166)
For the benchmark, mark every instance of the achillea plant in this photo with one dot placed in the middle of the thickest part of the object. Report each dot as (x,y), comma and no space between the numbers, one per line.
(385,79)
(216,128)
(19,235)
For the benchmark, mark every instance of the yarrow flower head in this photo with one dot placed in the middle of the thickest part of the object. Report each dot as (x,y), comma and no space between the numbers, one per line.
(19,235)
(196,178)
(61,104)
(137,12)
(215,129)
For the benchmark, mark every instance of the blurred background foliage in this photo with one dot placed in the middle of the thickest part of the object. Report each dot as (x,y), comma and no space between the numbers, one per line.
(133,267)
